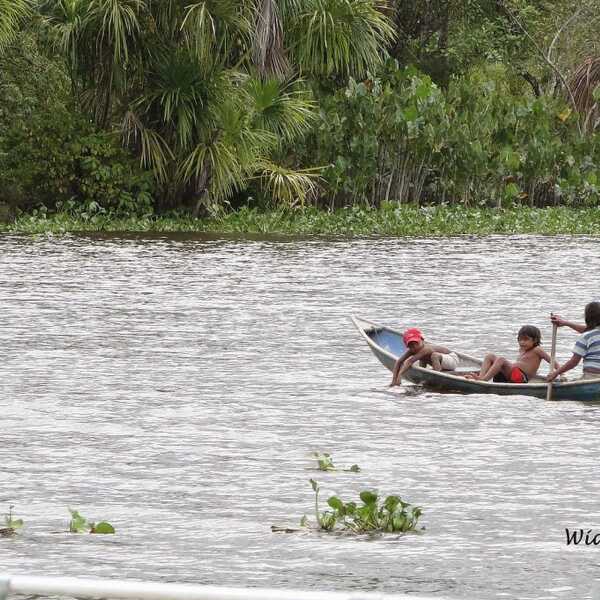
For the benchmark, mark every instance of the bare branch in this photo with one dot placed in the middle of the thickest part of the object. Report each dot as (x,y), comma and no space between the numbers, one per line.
(559,32)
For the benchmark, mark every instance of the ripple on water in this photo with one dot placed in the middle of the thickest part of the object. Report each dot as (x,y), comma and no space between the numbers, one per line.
(177,387)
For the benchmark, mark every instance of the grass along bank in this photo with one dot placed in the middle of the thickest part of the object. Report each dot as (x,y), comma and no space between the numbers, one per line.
(390,220)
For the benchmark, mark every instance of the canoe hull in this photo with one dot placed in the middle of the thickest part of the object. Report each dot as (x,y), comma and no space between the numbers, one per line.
(386,344)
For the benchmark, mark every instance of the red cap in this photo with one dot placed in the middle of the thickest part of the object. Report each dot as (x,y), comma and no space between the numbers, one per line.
(412,335)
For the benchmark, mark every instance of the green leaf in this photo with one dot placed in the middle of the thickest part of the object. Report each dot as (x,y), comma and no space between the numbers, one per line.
(350,508)
(391,502)
(368,497)
(103,527)
(336,503)
(410,114)
(399,523)
(78,523)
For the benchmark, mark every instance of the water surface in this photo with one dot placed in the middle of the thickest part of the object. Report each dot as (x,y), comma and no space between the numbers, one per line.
(176,387)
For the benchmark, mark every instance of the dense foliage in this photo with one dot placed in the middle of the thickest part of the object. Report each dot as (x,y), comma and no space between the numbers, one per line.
(110,108)
(399,137)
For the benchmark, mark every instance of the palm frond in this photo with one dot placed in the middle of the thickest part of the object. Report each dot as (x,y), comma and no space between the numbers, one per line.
(346,37)
(290,8)
(155,153)
(66,19)
(166,16)
(225,157)
(282,108)
(210,24)
(12,13)
(117,25)
(217,163)
(184,95)
(288,185)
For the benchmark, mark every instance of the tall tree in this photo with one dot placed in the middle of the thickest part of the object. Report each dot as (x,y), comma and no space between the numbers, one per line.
(207,91)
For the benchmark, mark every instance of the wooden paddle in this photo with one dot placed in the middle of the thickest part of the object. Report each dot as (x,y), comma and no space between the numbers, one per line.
(552,358)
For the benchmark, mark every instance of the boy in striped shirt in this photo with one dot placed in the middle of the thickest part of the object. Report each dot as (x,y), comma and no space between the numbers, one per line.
(586,347)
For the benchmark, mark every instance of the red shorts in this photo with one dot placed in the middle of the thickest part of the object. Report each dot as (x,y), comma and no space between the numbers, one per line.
(516,376)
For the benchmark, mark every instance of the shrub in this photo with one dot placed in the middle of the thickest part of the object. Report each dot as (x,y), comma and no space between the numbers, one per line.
(60,161)
(398,137)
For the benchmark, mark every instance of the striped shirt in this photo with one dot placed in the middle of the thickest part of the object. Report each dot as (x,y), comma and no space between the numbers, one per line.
(588,347)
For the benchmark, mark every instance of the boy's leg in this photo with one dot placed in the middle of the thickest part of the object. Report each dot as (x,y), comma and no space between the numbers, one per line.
(488,361)
(500,364)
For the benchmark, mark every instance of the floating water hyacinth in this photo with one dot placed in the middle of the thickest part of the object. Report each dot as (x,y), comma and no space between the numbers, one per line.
(388,515)
(325,463)
(79,524)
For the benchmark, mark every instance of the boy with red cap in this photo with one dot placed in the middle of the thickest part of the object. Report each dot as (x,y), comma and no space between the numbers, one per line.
(439,357)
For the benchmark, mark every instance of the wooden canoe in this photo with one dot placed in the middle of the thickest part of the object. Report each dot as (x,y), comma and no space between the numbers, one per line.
(387,345)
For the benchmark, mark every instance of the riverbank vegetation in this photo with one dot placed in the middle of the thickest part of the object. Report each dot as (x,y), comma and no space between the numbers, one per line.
(388,220)
(404,118)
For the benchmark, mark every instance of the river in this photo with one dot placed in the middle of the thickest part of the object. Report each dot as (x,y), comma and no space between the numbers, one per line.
(176,386)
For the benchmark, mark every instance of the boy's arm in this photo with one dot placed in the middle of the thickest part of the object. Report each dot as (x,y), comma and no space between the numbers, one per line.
(543,354)
(396,371)
(414,358)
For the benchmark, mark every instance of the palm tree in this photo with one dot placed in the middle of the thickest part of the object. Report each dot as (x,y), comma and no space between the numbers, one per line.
(338,37)
(208,92)
(12,13)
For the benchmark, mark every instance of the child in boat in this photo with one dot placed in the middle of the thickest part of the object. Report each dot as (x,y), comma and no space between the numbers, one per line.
(439,357)
(587,346)
(524,368)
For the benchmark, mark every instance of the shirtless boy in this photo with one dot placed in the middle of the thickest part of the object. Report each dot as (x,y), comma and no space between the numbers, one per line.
(439,357)
(524,368)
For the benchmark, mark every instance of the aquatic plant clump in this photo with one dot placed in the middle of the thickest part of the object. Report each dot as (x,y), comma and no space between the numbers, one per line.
(373,515)
(79,524)
(325,463)
(11,524)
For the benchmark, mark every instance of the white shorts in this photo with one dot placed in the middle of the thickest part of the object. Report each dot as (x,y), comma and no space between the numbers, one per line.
(450,361)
